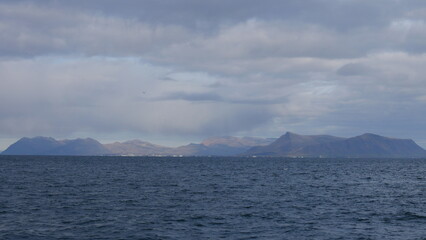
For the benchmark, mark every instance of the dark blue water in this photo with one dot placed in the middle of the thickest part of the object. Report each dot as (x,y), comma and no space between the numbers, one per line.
(211,198)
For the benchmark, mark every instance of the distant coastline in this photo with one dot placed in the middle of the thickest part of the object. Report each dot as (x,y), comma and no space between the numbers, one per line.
(290,145)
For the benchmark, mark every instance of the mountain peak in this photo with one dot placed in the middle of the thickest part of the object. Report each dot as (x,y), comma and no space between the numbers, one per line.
(291,134)
(371,135)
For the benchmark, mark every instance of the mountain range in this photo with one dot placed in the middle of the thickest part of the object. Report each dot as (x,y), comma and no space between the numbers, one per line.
(216,146)
(288,145)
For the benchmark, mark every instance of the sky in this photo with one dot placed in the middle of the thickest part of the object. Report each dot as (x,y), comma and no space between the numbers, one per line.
(173,72)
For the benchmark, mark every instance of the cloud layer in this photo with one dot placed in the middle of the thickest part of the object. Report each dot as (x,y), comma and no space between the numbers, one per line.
(191,69)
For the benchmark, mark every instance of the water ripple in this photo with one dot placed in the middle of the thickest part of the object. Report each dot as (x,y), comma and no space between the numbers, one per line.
(211,198)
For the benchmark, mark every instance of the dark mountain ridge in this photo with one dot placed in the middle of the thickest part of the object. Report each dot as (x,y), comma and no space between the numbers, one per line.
(51,146)
(366,145)
(290,142)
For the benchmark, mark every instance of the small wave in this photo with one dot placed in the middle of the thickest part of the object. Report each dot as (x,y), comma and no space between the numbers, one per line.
(406,216)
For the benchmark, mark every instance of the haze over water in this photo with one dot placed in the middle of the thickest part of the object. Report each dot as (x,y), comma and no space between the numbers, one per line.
(211,198)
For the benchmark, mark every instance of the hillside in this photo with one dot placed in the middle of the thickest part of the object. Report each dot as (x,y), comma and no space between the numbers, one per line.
(50,146)
(366,145)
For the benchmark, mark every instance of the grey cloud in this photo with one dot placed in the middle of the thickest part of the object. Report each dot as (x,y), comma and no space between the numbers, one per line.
(354,69)
(341,15)
(103,96)
(31,30)
(230,66)
(34,30)
(193,97)
(414,37)
(214,97)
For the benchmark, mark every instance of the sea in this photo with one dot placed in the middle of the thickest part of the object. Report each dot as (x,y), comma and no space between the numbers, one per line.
(59,197)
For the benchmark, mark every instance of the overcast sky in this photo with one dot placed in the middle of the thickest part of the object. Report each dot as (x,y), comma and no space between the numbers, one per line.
(173,72)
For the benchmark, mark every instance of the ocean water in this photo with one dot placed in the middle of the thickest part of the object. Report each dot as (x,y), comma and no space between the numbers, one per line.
(211,198)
